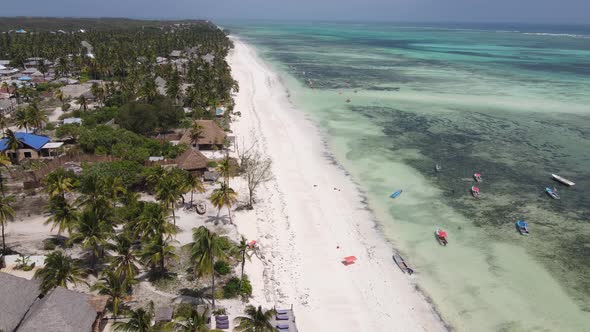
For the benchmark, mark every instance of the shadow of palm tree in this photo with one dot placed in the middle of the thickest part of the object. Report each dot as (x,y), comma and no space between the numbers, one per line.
(201,295)
(216,220)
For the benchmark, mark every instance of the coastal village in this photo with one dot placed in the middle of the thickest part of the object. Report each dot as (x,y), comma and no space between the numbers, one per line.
(118,168)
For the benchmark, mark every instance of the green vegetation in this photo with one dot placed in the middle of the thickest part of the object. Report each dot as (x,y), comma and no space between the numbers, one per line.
(59,270)
(222,268)
(255,320)
(139,91)
(236,287)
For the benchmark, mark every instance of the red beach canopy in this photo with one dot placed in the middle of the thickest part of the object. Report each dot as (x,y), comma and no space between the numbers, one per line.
(350,258)
(442,234)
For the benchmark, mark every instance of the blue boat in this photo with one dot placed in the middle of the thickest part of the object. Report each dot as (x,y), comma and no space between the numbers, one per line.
(395,194)
(552,193)
(522,227)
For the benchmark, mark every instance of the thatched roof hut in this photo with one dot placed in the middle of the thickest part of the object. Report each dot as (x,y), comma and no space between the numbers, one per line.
(211,135)
(192,160)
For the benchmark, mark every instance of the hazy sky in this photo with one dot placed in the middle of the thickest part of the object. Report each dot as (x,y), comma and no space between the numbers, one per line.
(541,11)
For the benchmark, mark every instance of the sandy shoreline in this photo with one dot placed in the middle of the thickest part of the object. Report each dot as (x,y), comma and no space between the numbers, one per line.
(301,218)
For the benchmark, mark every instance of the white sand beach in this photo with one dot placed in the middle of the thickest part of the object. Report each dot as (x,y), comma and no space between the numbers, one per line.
(300,219)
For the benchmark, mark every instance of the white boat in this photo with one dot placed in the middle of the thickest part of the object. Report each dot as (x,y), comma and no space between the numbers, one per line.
(562,180)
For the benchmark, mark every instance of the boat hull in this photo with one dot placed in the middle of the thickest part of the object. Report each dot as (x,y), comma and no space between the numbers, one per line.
(562,180)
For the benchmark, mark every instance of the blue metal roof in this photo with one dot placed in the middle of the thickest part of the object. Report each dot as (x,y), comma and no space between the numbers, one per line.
(33,141)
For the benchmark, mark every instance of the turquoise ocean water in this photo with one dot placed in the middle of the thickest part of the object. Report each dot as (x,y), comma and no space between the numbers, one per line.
(509,101)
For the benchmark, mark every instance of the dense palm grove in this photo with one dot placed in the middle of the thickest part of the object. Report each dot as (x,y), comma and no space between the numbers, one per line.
(111,237)
(128,57)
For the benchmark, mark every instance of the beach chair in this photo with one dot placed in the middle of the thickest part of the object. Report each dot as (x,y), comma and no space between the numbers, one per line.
(283,327)
(282,317)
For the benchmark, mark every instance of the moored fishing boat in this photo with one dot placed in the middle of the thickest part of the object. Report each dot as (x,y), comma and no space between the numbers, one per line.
(441,236)
(395,194)
(552,193)
(475,191)
(401,263)
(562,180)
(437,168)
(522,227)
(477,177)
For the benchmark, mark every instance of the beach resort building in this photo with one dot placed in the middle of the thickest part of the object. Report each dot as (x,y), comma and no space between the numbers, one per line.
(25,309)
(212,137)
(31,146)
(192,161)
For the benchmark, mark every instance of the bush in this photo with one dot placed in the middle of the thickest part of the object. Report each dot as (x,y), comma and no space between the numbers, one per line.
(231,288)
(128,171)
(222,267)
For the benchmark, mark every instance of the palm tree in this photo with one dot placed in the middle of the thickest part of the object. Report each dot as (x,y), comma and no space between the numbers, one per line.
(59,270)
(124,261)
(59,182)
(6,214)
(60,96)
(195,133)
(153,223)
(193,183)
(242,250)
(21,118)
(225,169)
(63,215)
(256,320)
(13,143)
(170,189)
(192,321)
(4,161)
(36,117)
(82,102)
(115,287)
(205,250)
(93,229)
(140,320)
(156,252)
(224,196)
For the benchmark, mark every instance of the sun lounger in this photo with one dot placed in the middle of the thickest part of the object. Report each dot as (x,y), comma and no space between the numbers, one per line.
(221,318)
(282,317)
(283,327)
(222,326)
(282,312)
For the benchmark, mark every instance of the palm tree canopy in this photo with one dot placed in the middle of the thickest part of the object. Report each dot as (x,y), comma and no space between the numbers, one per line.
(140,320)
(255,320)
(206,248)
(60,182)
(192,321)
(59,270)
(223,196)
(63,215)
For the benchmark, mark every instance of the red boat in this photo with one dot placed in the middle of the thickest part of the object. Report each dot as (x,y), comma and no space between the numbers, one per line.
(441,236)
(475,191)
(477,177)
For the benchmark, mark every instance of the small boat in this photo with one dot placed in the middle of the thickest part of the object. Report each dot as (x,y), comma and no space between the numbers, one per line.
(437,168)
(201,208)
(475,191)
(552,193)
(477,177)
(395,194)
(562,180)
(522,227)
(399,260)
(441,236)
